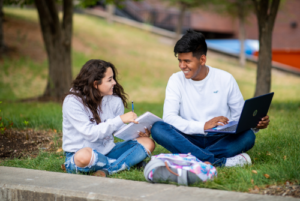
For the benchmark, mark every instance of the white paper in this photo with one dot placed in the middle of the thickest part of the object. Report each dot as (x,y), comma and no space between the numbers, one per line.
(131,130)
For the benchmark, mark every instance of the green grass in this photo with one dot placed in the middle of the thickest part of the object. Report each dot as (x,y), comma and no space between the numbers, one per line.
(39,115)
(49,115)
(275,152)
(44,161)
(144,66)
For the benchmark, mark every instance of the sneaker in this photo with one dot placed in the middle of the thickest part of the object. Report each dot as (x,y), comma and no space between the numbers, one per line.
(63,167)
(238,160)
(141,165)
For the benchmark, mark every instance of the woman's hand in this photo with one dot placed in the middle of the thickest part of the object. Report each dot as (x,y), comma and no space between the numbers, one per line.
(129,117)
(146,134)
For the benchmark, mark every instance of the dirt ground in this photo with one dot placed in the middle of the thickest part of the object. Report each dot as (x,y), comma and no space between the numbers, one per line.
(288,190)
(23,143)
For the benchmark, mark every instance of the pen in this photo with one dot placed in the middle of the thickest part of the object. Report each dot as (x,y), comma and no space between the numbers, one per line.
(132,107)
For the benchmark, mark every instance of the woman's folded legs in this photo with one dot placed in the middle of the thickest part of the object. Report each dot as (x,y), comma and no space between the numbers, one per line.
(123,156)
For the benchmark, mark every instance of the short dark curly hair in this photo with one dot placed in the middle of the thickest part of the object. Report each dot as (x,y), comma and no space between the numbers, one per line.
(193,42)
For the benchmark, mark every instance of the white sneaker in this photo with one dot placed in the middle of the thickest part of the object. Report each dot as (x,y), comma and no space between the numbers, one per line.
(238,160)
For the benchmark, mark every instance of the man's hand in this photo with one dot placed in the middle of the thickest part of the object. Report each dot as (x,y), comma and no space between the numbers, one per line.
(217,121)
(146,134)
(263,123)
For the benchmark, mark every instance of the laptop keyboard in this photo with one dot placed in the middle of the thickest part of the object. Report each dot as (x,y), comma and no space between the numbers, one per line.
(231,128)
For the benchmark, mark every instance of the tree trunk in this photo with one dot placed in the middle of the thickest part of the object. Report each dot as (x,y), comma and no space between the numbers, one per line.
(242,33)
(266,13)
(2,46)
(57,37)
(110,13)
(182,7)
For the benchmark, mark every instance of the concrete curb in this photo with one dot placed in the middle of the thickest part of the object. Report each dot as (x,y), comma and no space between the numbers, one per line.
(25,184)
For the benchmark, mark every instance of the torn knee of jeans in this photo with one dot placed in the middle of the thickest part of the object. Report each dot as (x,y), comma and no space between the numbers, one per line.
(67,164)
(147,151)
(96,162)
(92,160)
(111,160)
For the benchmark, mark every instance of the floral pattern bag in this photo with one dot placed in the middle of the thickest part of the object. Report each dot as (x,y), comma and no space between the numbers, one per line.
(183,169)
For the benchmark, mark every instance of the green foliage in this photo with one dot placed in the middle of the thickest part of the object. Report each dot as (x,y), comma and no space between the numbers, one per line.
(79,3)
(232,7)
(3,125)
(26,123)
(190,3)
(18,2)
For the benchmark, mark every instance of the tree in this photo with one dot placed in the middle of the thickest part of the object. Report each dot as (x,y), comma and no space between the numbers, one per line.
(184,5)
(57,37)
(182,8)
(2,46)
(266,11)
(239,9)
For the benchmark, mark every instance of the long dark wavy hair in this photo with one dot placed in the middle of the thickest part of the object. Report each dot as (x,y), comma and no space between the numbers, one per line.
(83,86)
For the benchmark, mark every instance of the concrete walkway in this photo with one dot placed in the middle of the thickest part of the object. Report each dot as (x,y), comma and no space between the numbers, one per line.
(25,184)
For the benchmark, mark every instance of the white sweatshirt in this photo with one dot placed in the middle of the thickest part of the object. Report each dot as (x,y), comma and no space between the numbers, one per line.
(190,104)
(80,132)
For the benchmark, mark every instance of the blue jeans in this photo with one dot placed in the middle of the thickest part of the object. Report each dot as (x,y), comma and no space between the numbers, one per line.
(123,156)
(213,147)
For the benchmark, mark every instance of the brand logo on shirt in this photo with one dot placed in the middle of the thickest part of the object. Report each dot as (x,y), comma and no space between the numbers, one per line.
(216,92)
(255,112)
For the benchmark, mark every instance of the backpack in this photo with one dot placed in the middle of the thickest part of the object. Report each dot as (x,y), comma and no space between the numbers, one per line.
(183,169)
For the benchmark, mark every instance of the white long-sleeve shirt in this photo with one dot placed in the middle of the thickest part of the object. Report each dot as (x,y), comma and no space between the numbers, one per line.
(190,104)
(80,132)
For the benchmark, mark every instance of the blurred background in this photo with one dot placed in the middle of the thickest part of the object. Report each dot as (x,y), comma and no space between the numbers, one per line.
(138,37)
(220,20)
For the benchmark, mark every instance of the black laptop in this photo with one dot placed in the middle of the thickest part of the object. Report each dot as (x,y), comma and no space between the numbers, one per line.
(254,109)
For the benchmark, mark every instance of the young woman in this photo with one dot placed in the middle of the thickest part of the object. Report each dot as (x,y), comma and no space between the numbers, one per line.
(92,111)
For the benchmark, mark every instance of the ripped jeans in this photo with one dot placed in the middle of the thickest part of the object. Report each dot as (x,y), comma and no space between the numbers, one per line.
(123,156)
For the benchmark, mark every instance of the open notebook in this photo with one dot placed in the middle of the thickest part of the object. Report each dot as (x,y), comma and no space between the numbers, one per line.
(131,130)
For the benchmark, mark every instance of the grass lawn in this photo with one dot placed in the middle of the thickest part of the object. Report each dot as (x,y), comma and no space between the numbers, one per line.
(144,65)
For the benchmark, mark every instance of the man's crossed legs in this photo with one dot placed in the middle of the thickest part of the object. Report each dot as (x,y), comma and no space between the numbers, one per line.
(215,148)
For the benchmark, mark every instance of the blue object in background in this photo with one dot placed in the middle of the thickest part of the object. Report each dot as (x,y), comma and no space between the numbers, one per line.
(232,46)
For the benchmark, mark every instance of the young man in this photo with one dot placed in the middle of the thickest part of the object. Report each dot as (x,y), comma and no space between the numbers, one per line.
(200,97)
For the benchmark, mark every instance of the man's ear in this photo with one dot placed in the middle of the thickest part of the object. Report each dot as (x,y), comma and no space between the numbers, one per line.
(95,84)
(202,59)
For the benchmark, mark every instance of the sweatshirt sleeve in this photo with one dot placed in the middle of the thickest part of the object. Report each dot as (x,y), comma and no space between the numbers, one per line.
(171,110)
(118,111)
(118,107)
(235,100)
(78,117)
